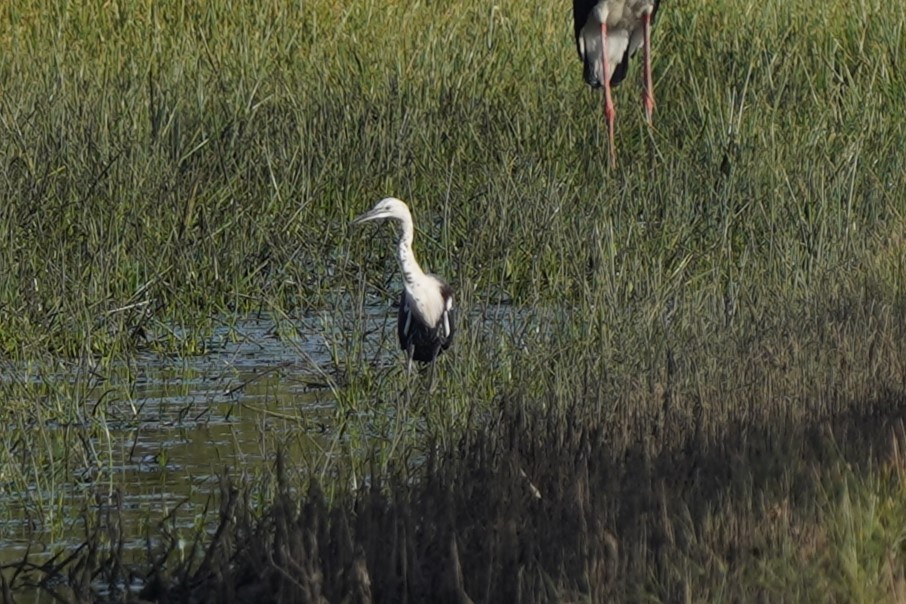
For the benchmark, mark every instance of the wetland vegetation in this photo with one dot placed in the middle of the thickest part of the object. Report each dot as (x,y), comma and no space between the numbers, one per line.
(683,380)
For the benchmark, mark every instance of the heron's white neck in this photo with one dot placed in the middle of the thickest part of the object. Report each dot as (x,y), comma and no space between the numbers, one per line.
(412,272)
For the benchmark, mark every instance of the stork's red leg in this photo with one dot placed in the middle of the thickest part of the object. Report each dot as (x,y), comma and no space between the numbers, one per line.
(648,94)
(609,111)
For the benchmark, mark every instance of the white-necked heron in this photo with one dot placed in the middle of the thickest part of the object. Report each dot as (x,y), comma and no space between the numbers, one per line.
(425,321)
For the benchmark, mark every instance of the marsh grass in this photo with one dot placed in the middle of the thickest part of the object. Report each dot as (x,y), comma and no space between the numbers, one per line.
(548,505)
(697,346)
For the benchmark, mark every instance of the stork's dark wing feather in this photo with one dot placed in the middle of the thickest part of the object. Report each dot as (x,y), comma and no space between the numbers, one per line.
(620,71)
(581,10)
(622,68)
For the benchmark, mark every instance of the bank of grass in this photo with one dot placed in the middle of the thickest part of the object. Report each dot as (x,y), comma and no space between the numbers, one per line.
(736,283)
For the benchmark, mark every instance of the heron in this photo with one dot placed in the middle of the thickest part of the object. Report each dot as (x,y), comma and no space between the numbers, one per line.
(425,322)
(608,33)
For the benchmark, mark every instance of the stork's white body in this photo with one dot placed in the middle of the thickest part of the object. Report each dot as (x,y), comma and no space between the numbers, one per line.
(608,33)
(624,20)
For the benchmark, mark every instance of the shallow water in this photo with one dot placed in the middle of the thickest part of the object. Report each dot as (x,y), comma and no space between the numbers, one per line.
(170,426)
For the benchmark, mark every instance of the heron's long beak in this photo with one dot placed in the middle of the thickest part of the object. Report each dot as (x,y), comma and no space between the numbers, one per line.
(365,217)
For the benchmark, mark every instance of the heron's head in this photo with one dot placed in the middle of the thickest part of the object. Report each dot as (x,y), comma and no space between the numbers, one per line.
(389,207)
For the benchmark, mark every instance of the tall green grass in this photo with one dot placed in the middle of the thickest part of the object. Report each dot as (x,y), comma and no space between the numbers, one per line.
(743,269)
(171,162)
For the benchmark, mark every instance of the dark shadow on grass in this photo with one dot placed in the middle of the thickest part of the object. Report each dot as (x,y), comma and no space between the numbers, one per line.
(538,507)
(531,507)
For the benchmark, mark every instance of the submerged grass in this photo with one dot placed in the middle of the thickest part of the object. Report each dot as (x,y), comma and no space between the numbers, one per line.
(699,343)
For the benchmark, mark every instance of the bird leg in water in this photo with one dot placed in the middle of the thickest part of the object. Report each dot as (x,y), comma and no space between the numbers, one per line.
(609,111)
(648,94)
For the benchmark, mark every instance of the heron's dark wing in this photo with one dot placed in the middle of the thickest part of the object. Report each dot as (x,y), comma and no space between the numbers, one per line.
(447,325)
(404,327)
(421,341)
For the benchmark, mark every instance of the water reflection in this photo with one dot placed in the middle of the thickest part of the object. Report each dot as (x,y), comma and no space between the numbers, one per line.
(162,429)
(171,425)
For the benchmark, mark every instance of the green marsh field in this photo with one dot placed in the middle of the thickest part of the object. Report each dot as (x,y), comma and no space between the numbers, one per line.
(682,380)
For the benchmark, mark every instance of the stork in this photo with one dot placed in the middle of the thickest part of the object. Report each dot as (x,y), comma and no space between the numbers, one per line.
(425,320)
(608,33)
